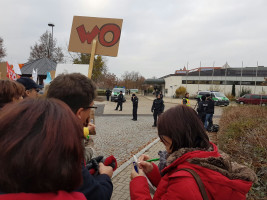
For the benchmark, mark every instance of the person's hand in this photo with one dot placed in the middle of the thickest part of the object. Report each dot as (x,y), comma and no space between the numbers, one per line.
(146,166)
(91,128)
(105,170)
(135,174)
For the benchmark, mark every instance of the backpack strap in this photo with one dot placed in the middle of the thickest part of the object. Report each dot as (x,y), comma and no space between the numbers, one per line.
(199,182)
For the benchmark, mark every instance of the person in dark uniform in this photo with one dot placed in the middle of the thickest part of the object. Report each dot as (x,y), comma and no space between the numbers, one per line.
(157,93)
(135,106)
(186,99)
(108,92)
(161,95)
(157,109)
(209,113)
(202,107)
(120,100)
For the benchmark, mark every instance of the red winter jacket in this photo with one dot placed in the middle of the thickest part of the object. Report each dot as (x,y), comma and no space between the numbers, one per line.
(182,185)
(60,195)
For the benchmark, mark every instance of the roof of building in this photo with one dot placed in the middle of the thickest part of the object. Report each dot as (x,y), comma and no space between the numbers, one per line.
(260,71)
(154,81)
(43,65)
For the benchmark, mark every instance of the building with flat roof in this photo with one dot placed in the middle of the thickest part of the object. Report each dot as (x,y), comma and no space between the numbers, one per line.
(215,78)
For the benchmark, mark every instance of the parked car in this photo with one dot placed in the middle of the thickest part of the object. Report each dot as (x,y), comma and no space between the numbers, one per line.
(218,97)
(115,93)
(255,99)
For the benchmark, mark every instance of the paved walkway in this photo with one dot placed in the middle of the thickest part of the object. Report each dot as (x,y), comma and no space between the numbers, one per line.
(122,179)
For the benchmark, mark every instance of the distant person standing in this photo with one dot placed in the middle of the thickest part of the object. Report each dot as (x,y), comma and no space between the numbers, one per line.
(157,109)
(120,100)
(161,95)
(186,99)
(202,108)
(157,93)
(209,112)
(108,94)
(135,106)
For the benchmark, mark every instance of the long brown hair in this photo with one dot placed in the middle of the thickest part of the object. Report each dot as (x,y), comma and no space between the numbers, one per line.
(40,147)
(182,125)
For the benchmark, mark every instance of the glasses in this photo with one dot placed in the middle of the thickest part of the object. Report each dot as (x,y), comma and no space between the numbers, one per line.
(86,107)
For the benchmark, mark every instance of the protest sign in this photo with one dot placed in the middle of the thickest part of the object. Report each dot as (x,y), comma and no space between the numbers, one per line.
(3,70)
(105,31)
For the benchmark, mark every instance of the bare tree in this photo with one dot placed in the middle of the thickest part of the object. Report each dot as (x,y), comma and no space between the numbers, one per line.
(133,80)
(46,47)
(2,49)
(107,80)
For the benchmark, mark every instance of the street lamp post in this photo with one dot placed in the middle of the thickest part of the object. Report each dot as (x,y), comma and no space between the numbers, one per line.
(52,25)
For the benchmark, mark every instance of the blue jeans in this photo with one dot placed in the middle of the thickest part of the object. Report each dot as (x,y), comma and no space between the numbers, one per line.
(208,121)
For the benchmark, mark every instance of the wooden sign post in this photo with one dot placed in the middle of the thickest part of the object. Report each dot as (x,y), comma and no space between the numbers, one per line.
(92,58)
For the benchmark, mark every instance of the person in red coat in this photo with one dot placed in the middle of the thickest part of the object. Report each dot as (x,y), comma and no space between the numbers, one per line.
(188,147)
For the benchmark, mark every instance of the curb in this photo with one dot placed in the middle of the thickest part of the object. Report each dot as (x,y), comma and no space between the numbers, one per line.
(128,162)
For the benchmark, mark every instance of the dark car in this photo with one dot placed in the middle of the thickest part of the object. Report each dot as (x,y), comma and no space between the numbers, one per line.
(255,99)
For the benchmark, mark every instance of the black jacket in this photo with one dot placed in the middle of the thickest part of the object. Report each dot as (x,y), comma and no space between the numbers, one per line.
(96,187)
(202,107)
(108,92)
(120,98)
(157,106)
(210,109)
(135,101)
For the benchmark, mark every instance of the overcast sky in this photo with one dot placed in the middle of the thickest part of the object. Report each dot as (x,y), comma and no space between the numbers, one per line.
(158,37)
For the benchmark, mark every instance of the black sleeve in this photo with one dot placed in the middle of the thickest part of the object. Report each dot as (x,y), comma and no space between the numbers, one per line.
(163,106)
(184,101)
(200,106)
(152,108)
(99,187)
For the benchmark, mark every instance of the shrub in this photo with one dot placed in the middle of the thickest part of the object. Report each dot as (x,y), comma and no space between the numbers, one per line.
(180,91)
(230,96)
(101,92)
(243,135)
(245,91)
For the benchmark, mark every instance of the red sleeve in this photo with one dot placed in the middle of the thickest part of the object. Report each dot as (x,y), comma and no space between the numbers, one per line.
(154,176)
(139,189)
